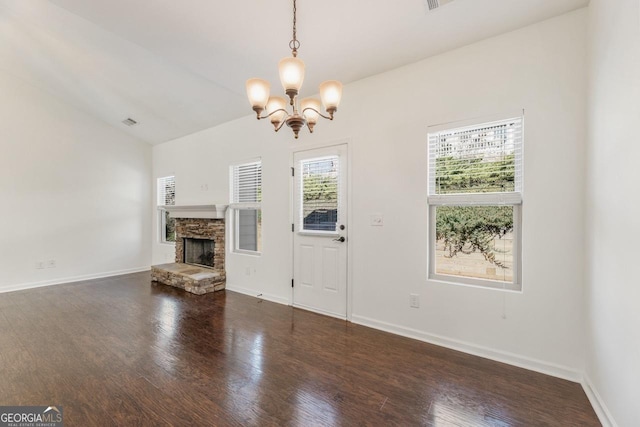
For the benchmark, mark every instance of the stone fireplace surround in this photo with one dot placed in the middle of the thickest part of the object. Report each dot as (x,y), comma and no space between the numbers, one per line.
(196,222)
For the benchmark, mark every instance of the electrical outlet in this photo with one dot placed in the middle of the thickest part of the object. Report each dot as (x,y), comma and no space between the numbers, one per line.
(39,265)
(377,220)
(51,263)
(414,301)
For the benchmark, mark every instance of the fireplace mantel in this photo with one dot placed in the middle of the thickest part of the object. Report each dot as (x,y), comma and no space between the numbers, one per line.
(196,211)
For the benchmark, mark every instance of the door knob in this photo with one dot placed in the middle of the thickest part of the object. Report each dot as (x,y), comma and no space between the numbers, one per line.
(340,239)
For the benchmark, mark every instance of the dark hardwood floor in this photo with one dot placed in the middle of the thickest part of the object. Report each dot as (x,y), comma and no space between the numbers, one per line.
(122,351)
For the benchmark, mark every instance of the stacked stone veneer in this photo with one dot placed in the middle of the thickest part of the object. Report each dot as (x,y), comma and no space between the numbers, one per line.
(196,228)
(195,279)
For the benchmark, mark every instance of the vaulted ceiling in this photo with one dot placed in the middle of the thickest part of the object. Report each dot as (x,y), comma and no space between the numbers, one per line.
(178,67)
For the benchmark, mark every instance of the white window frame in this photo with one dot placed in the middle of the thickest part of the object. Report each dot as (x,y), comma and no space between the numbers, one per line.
(235,206)
(478,199)
(161,200)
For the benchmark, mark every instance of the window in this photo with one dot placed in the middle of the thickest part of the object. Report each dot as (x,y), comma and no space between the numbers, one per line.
(246,198)
(475,198)
(319,207)
(167,197)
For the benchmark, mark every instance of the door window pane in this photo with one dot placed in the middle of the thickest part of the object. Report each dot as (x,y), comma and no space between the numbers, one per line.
(320,187)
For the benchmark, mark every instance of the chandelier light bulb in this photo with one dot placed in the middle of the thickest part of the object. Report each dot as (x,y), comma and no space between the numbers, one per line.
(310,108)
(291,75)
(258,93)
(277,103)
(331,93)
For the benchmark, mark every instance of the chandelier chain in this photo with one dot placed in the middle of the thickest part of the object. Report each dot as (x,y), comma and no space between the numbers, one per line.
(294,44)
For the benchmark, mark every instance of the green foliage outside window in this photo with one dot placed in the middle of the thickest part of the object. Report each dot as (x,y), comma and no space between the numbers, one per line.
(475,175)
(320,188)
(468,229)
(170,228)
(169,200)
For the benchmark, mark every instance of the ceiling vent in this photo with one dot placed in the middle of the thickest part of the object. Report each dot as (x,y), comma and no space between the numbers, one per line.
(129,122)
(434,4)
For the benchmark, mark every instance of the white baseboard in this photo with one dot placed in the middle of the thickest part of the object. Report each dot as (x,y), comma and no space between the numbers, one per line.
(63,280)
(601,409)
(470,348)
(253,293)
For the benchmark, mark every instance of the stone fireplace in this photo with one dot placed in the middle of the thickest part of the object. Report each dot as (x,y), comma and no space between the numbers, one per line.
(200,250)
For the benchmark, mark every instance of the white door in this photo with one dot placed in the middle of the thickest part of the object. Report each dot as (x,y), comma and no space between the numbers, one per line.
(320,230)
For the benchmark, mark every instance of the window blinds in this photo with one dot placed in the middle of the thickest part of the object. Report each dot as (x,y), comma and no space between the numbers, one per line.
(246,185)
(468,164)
(167,191)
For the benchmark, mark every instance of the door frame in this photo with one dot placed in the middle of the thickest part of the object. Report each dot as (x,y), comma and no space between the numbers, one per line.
(315,146)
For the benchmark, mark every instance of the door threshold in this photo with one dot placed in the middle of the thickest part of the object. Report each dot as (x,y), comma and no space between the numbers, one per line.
(319,311)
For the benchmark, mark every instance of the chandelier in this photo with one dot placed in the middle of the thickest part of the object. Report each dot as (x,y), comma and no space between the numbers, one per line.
(305,112)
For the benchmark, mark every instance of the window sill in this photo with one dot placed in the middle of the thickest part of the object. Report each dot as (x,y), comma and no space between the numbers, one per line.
(167,243)
(478,284)
(248,253)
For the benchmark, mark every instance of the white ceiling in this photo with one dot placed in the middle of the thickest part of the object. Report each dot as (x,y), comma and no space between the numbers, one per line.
(178,67)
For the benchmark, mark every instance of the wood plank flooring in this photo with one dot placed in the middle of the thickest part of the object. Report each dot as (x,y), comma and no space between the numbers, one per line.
(125,352)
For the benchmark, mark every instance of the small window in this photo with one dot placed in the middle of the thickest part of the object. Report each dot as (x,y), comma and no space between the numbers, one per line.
(246,198)
(475,199)
(166,197)
(319,207)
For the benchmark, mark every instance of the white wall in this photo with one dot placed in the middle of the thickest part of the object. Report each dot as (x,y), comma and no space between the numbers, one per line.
(74,190)
(613,205)
(540,68)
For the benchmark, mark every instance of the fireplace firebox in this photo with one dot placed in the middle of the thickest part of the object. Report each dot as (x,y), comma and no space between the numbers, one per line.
(199,252)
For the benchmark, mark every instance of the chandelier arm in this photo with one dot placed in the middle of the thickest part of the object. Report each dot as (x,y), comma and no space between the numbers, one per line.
(272,113)
(329,117)
(281,124)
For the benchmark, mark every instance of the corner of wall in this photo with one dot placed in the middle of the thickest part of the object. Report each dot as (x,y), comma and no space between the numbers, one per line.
(603,413)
